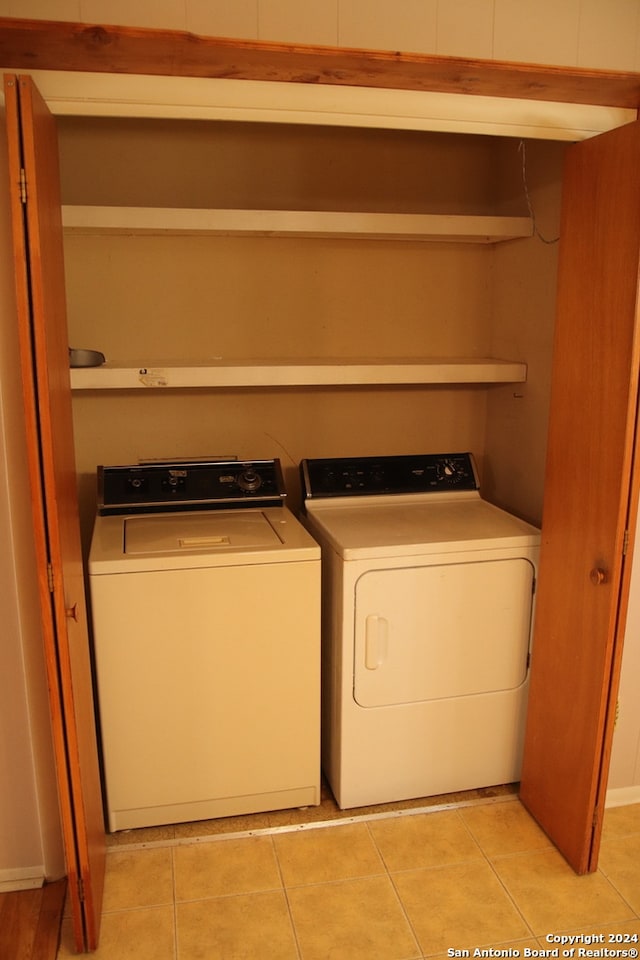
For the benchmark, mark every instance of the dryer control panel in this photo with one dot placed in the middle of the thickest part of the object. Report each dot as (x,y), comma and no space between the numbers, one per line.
(370,476)
(192,485)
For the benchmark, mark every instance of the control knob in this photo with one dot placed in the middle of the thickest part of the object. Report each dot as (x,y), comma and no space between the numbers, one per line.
(450,471)
(249,480)
(136,484)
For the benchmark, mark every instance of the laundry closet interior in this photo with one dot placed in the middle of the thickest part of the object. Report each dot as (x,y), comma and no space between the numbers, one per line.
(304,290)
(337,281)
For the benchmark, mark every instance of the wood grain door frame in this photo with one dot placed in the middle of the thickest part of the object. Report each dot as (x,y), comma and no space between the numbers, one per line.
(41,314)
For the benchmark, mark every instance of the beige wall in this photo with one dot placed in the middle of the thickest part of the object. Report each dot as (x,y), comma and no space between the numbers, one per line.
(584,33)
(624,775)
(523,309)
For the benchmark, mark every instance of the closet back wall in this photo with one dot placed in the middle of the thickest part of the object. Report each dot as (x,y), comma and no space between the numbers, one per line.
(160,297)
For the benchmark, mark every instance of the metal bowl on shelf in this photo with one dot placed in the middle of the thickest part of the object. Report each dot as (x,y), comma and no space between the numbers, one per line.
(85,358)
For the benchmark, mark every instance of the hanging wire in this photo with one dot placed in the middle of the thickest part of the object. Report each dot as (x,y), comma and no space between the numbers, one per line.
(523,150)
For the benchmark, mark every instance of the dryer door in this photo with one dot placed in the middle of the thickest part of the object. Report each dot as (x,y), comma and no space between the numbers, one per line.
(449,630)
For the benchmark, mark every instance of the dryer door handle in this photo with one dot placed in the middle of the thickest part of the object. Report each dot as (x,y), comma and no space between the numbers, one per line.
(376,642)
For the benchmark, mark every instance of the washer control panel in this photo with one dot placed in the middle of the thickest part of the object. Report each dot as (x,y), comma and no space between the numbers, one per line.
(369,476)
(193,485)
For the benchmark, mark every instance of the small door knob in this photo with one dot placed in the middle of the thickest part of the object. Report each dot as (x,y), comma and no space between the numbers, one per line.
(72,612)
(598,576)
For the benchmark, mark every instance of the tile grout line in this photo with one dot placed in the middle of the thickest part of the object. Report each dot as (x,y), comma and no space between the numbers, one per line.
(534,935)
(396,892)
(175,905)
(499,879)
(624,836)
(287,901)
(619,892)
(482,855)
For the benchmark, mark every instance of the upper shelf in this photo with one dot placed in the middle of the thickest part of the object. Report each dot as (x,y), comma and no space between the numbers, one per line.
(287,373)
(295,223)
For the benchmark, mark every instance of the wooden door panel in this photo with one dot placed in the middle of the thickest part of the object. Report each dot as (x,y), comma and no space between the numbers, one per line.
(45,368)
(577,643)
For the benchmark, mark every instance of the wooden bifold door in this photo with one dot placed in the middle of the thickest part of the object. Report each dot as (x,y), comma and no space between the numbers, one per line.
(39,269)
(590,500)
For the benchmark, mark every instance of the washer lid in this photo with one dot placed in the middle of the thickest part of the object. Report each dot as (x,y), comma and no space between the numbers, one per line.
(184,541)
(209,533)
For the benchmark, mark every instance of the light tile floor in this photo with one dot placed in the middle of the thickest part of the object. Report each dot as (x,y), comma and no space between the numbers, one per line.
(400,887)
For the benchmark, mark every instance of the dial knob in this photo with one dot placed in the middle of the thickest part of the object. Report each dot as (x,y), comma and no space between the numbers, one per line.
(249,480)
(449,470)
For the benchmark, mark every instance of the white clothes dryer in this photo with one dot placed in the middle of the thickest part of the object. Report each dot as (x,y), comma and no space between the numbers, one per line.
(428,602)
(205,593)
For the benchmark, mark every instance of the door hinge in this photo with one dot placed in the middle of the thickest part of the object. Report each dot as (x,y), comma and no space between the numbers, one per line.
(50,577)
(23,186)
(625,543)
(596,817)
(81,896)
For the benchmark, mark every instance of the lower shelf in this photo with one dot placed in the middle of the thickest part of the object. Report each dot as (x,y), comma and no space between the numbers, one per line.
(295,223)
(292,373)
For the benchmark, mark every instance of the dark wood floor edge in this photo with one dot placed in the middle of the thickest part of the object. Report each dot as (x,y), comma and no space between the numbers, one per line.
(47,939)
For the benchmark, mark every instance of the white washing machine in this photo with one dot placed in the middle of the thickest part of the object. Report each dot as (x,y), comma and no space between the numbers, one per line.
(428,601)
(205,593)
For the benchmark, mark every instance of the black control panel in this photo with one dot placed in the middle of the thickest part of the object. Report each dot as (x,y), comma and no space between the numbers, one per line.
(369,476)
(194,485)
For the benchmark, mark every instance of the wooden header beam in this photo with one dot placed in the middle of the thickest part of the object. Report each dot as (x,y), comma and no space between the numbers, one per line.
(58,45)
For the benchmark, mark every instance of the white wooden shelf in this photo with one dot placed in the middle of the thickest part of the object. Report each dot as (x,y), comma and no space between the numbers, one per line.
(294,223)
(288,373)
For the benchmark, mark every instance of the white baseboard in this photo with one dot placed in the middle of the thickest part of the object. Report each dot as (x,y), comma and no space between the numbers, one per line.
(623,796)
(22,878)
